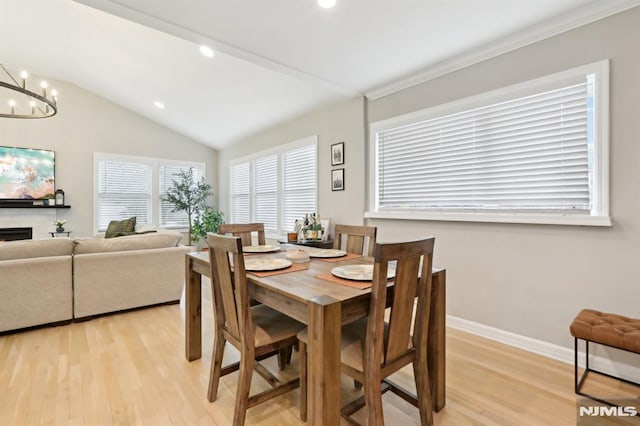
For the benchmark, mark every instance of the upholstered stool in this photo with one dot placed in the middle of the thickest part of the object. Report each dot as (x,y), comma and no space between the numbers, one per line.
(611,330)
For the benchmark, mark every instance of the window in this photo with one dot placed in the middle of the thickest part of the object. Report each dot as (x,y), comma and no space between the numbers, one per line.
(133,186)
(275,187)
(167,173)
(536,152)
(124,190)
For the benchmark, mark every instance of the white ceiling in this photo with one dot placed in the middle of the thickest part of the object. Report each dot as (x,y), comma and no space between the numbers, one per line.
(275,59)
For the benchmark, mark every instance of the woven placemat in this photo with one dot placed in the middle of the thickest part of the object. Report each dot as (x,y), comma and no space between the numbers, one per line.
(348,256)
(361,285)
(293,268)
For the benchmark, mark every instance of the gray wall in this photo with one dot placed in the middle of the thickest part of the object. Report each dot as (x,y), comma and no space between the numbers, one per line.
(86,124)
(342,122)
(526,279)
(533,279)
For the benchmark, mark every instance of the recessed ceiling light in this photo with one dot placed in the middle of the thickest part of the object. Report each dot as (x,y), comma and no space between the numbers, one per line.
(326,4)
(159,104)
(206,51)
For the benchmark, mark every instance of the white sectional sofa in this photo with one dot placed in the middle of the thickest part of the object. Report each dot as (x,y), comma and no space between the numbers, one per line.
(35,282)
(58,279)
(127,272)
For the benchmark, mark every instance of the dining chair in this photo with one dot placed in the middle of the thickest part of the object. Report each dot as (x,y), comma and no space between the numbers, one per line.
(244,231)
(256,331)
(372,349)
(355,238)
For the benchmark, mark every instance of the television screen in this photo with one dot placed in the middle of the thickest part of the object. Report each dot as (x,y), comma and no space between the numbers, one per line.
(26,174)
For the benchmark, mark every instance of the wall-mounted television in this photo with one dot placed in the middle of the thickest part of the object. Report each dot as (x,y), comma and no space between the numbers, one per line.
(26,174)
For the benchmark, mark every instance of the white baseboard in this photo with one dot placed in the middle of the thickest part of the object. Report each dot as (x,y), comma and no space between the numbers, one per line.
(546,349)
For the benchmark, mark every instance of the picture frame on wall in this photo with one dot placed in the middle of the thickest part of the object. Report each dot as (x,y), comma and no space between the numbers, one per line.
(337,154)
(337,180)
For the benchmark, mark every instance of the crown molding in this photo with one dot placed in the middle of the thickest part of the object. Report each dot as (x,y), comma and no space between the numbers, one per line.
(560,24)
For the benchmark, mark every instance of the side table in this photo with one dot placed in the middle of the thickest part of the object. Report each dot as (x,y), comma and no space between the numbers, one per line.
(61,233)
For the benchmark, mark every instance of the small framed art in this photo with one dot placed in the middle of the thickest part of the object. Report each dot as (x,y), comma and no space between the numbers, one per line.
(337,180)
(337,154)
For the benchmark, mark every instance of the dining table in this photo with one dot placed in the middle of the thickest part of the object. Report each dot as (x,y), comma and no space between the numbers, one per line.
(324,306)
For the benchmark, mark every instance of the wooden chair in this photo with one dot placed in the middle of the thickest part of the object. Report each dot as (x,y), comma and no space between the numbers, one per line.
(373,349)
(244,230)
(257,332)
(355,236)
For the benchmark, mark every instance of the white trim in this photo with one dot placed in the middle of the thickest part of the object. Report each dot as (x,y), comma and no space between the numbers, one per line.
(541,219)
(155,163)
(543,348)
(298,143)
(571,20)
(277,150)
(600,216)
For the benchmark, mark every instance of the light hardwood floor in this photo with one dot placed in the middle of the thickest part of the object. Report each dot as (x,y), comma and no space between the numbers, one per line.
(130,368)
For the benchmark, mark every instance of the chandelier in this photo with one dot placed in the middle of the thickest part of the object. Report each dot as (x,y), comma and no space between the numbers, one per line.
(27,104)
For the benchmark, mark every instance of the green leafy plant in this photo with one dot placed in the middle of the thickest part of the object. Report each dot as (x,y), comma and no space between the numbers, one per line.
(189,195)
(208,220)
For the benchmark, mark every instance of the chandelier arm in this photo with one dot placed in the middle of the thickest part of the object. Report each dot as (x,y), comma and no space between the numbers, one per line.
(30,94)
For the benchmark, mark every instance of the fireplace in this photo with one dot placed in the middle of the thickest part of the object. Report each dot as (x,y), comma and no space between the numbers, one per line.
(11,234)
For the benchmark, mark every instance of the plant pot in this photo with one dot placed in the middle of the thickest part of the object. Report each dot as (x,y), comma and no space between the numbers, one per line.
(60,229)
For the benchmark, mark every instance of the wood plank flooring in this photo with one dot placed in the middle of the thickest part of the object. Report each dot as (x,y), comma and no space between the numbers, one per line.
(129,368)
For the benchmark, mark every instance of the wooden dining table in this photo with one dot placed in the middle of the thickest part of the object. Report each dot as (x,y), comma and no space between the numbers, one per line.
(323,306)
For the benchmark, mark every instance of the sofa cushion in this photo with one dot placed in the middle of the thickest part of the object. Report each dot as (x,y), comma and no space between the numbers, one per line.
(161,239)
(117,226)
(27,249)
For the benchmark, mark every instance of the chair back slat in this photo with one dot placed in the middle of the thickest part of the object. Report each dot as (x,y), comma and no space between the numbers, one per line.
(355,237)
(413,260)
(244,231)
(229,287)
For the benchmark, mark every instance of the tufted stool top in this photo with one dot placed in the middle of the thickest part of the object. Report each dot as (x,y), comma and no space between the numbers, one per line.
(609,329)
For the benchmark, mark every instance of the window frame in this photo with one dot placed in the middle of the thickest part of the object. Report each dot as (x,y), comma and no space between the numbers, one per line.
(600,212)
(279,151)
(155,164)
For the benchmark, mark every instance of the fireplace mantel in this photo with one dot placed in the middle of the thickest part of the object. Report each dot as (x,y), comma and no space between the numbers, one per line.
(40,218)
(27,206)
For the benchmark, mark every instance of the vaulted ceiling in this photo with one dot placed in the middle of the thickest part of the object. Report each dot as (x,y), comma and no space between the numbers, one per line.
(274,59)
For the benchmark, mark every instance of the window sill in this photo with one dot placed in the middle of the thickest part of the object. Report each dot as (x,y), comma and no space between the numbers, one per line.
(542,219)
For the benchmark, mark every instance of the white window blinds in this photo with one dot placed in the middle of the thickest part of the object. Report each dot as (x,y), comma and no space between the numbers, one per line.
(134,186)
(265,182)
(540,152)
(240,179)
(275,188)
(124,190)
(298,185)
(167,174)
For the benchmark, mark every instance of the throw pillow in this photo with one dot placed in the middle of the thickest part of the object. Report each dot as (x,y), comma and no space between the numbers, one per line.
(117,226)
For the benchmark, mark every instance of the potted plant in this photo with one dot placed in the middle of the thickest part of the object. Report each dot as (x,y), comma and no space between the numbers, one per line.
(59,223)
(206,221)
(189,195)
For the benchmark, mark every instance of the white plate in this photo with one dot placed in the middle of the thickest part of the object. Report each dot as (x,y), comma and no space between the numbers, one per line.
(327,253)
(360,272)
(268,264)
(260,249)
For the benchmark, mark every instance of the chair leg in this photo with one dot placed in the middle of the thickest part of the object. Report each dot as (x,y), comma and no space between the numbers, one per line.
(242,393)
(373,400)
(284,357)
(421,377)
(302,348)
(216,366)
